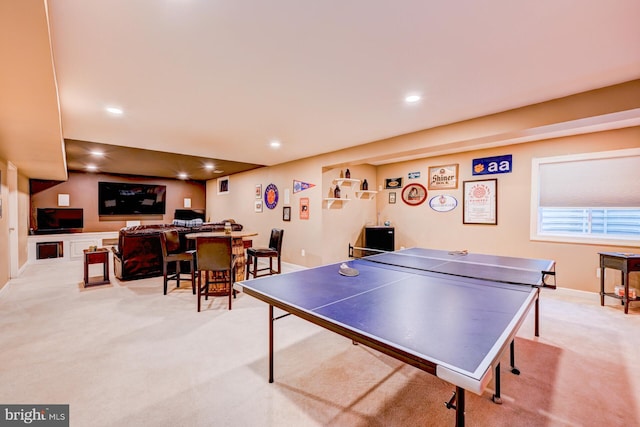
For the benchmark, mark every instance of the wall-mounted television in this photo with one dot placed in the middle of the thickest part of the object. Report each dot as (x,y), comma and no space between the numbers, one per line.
(117,198)
(59,220)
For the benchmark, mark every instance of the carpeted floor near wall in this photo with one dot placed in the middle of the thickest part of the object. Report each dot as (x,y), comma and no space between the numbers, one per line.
(125,355)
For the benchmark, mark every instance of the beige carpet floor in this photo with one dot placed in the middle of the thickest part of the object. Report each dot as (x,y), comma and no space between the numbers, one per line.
(125,355)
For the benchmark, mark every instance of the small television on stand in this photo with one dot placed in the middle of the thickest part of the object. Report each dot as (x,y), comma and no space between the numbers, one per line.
(59,220)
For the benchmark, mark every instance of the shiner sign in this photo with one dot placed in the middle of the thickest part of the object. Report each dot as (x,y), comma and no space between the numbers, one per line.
(443,177)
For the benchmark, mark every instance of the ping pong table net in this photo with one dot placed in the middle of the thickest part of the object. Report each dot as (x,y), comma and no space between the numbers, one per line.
(456,263)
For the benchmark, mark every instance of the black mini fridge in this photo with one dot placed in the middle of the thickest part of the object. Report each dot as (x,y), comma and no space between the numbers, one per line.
(381,238)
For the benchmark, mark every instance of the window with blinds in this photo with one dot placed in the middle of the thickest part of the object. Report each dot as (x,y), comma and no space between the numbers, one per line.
(592,198)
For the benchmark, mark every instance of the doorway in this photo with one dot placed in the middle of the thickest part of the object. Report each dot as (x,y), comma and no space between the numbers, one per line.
(12,212)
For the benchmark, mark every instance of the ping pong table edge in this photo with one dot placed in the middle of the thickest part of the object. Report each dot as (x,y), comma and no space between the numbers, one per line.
(475,383)
(468,382)
(461,381)
(548,271)
(492,359)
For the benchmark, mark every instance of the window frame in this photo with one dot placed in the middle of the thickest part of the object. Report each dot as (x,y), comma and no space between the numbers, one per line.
(536,235)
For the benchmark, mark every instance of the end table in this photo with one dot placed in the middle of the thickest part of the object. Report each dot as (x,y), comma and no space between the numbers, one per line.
(626,263)
(98,256)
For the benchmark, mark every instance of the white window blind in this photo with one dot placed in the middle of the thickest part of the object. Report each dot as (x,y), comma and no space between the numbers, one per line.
(592,198)
(605,182)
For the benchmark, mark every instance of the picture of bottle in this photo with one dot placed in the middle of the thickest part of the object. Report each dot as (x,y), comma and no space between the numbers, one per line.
(365,185)
(336,192)
(347,174)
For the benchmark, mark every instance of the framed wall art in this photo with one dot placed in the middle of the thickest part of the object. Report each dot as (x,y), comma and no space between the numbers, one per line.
(443,177)
(414,194)
(480,202)
(392,197)
(257,206)
(63,200)
(271,196)
(304,208)
(443,203)
(392,183)
(286,213)
(223,185)
(258,191)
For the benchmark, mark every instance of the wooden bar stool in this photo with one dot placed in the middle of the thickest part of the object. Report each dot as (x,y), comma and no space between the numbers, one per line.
(273,251)
(215,255)
(171,252)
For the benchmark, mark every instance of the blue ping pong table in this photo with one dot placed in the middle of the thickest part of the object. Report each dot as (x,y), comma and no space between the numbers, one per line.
(451,314)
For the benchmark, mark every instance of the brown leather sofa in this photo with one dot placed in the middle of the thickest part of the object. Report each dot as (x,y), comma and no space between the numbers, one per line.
(139,254)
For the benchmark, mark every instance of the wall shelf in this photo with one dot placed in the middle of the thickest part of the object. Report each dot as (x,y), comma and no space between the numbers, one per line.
(346,181)
(366,194)
(331,200)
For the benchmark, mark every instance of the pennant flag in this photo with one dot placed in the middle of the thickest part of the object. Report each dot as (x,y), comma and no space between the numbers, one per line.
(301,186)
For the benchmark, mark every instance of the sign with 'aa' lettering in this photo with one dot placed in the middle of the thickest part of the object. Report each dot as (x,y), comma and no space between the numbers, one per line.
(493,165)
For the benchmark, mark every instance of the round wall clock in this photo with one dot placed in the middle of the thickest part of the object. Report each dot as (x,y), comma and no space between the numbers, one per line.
(414,194)
(271,196)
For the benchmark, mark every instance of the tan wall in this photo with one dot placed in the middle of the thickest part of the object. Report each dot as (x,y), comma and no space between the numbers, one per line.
(83,193)
(299,234)
(422,226)
(326,235)
(342,222)
(4,226)
(22,190)
(24,200)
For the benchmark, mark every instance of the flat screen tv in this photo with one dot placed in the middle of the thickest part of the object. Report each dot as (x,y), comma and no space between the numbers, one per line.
(116,198)
(59,220)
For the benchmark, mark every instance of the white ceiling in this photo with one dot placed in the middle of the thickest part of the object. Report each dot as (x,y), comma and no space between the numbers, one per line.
(221,78)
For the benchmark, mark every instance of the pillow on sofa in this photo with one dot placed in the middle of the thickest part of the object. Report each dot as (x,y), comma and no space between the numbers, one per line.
(188,222)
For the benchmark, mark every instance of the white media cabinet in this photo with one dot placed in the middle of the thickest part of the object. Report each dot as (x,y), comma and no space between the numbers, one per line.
(47,248)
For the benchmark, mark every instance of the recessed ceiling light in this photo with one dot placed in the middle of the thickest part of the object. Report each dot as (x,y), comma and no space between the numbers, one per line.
(208,166)
(97,153)
(217,171)
(183,175)
(413,98)
(114,110)
(92,168)
(274,144)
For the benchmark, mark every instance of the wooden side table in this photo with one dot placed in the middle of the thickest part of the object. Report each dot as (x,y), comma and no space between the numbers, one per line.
(98,256)
(624,262)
